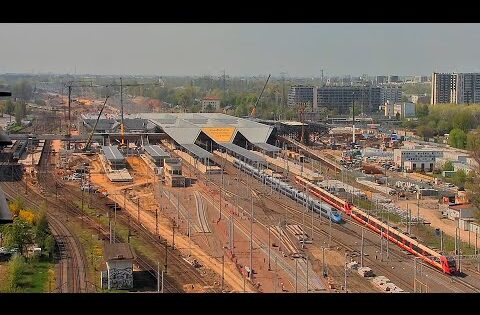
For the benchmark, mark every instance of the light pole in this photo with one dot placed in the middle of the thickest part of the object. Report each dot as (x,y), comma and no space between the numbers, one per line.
(345,283)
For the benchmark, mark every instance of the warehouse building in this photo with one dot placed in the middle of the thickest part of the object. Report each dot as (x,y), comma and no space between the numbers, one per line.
(416,159)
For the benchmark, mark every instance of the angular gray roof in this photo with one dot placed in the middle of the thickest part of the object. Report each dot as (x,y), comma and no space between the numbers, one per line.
(155,151)
(184,128)
(197,151)
(243,152)
(267,147)
(112,153)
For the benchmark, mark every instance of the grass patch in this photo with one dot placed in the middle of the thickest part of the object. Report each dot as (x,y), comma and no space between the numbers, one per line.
(36,276)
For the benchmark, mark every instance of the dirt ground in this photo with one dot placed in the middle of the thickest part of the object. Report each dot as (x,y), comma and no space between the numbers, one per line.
(429,211)
(142,189)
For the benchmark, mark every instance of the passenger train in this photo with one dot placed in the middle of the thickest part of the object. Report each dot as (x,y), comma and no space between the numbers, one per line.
(324,209)
(445,263)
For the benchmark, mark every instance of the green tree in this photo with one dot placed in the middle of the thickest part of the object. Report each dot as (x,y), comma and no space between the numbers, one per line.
(49,245)
(421,110)
(460,178)
(462,120)
(473,140)
(20,112)
(18,235)
(15,268)
(23,90)
(425,131)
(457,138)
(9,107)
(41,229)
(443,127)
(448,166)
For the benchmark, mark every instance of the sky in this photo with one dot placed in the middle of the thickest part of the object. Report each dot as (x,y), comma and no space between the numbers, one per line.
(299,50)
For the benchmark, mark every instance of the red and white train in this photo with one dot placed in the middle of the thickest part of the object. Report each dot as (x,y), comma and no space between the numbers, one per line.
(439,261)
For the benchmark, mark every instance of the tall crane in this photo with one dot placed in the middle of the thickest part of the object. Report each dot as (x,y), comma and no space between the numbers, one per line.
(89,140)
(71,84)
(121,85)
(254,109)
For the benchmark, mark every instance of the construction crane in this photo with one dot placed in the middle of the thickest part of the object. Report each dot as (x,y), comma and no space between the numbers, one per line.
(89,140)
(121,85)
(71,84)
(301,116)
(254,109)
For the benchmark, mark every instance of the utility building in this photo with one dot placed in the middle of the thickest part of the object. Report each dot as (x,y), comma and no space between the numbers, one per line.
(173,173)
(119,260)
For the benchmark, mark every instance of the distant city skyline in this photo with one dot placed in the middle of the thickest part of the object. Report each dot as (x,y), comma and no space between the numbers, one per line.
(299,50)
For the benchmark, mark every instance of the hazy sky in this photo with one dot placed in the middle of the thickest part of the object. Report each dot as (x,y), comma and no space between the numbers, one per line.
(240,49)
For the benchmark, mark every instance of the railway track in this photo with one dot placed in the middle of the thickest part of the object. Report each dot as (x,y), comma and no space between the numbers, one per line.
(394,253)
(72,271)
(184,271)
(68,207)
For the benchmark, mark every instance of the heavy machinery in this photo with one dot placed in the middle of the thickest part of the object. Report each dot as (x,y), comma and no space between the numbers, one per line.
(253,113)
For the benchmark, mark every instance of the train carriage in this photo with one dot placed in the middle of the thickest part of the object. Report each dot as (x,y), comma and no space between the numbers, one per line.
(444,263)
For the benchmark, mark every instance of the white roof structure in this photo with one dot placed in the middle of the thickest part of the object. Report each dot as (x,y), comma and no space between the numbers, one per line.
(185,128)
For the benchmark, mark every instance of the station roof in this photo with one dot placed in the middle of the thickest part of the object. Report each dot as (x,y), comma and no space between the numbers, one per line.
(114,251)
(112,153)
(197,151)
(243,152)
(184,128)
(155,151)
(5,214)
(267,147)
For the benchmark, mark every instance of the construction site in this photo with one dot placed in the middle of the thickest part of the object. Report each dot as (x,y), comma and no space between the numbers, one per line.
(209,202)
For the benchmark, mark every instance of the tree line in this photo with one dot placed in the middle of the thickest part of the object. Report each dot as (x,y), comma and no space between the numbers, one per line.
(458,121)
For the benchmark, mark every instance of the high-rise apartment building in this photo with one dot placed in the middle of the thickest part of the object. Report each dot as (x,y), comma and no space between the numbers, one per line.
(391,93)
(336,98)
(340,98)
(457,88)
(302,95)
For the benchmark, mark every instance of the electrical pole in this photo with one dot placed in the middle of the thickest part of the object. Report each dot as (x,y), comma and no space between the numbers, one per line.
(156,221)
(69,120)
(138,209)
(158,277)
(345,284)
(269,248)
(115,223)
(361,249)
(381,243)
(166,255)
(121,110)
(307,273)
(251,237)
(162,280)
(296,275)
(223,270)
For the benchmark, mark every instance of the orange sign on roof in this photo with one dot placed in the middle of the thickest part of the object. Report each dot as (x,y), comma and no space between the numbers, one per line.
(220,134)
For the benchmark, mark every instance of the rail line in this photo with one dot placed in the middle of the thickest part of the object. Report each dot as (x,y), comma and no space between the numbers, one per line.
(394,253)
(70,208)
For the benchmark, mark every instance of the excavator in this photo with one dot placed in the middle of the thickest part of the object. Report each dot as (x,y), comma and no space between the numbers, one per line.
(253,113)
(89,140)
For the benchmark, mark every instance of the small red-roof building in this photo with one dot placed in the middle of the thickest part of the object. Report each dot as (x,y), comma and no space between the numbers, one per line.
(210,103)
